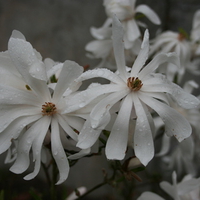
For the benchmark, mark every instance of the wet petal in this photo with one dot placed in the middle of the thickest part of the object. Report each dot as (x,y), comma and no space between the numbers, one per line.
(14,130)
(83,98)
(118,46)
(14,96)
(88,136)
(27,63)
(68,130)
(99,73)
(143,140)
(175,123)
(22,162)
(58,152)
(142,56)
(80,154)
(157,61)
(116,145)
(70,71)
(9,113)
(100,113)
(37,148)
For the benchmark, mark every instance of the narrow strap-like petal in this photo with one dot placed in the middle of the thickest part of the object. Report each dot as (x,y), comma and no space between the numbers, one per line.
(149,13)
(69,72)
(88,136)
(83,98)
(22,162)
(100,113)
(118,47)
(58,152)
(37,148)
(143,139)
(175,123)
(157,61)
(14,130)
(142,56)
(116,145)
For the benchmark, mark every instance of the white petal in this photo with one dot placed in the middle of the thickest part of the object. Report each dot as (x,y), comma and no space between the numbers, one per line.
(36,149)
(24,57)
(25,143)
(165,145)
(14,130)
(116,145)
(149,13)
(132,30)
(88,136)
(70,71)
(157,61)
(83,98)
(100,113)
(101,73)
(29,66)
(14,96)
(175,123)
(143,140)
(184,99)
(80,154)
(64,124)
(149,196)
(142,56)
(58,152)
(10,113)
(74,121)
(118,46)
(187,186)
(99,48)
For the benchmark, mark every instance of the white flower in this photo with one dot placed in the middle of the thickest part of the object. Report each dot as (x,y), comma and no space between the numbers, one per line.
(170,41)
(136,90)
(126,11)
(102,47)
(27,114)
(187,189)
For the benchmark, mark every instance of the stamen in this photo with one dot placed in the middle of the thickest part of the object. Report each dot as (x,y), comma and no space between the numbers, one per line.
(27,87)
(181,37)
(48,109)
(134,83)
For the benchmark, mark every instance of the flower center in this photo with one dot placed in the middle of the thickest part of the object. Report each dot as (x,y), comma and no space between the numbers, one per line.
(134,83)
(48,109)
(181,37)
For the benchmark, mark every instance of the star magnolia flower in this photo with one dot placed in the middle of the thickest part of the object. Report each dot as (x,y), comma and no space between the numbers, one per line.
(125,11)
(187,189)
(28,114)
(136,89)
(174,42)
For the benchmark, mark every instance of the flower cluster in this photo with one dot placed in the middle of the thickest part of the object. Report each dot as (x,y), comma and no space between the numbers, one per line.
(44,115)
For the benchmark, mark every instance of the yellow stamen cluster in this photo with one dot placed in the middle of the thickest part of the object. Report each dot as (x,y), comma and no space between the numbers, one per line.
(48,109)
(134,83)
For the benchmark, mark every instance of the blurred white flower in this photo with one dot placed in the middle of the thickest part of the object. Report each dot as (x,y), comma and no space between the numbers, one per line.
(170,41)
(126,11)
(135,90)
(187,189)
(29,109)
